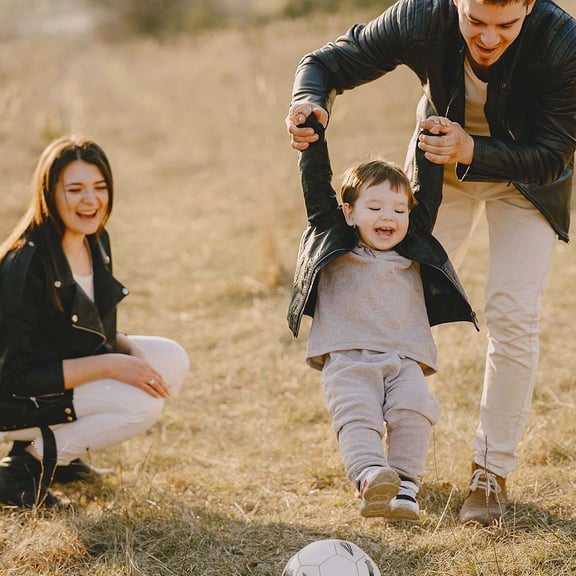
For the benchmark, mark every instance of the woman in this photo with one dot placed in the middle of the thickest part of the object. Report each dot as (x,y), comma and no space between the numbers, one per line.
(86,385)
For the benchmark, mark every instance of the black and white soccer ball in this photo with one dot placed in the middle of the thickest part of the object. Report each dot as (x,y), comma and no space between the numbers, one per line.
(331,558)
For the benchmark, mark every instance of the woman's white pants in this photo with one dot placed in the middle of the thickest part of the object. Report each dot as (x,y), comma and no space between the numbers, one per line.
(110,411)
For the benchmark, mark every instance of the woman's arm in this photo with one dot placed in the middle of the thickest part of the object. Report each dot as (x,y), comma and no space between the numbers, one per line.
(123,367)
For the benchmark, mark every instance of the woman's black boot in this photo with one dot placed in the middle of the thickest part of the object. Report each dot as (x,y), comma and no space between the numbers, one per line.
(22,482)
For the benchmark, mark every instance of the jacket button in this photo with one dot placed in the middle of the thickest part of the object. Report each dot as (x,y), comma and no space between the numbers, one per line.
(74,318)
(68,411)
(57,283)
(125,291)
(30,243)
(70,419)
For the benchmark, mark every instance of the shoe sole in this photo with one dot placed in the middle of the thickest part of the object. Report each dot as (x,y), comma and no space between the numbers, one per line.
(403,513)
(482,517)
(376,499)
(476,510)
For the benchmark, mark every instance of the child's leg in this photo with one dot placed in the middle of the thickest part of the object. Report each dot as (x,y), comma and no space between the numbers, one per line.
(354,391)
(409,411)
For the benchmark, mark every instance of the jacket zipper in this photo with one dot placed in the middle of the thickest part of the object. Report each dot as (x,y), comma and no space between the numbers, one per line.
(34,399)
(91,331)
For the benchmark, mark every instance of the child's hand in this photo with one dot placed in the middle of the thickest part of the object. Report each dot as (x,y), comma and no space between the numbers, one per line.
(301,138)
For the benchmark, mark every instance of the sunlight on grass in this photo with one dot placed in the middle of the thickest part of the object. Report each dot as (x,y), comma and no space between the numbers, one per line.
(243,468)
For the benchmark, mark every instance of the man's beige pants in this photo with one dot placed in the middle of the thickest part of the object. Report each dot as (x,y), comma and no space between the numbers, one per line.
(521,247)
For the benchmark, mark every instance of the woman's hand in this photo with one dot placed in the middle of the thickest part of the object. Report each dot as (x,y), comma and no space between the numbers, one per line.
(137,372)
(126,368)
(301,138)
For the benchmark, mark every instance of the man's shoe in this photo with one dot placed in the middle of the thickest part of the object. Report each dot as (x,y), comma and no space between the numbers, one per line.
(20,482)
(404,505)
(486,501)
(377,490)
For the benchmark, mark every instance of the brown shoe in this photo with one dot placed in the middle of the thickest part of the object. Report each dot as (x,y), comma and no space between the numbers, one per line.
(486,501)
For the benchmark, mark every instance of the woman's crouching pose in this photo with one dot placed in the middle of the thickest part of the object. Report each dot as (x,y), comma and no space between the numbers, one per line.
(69,382)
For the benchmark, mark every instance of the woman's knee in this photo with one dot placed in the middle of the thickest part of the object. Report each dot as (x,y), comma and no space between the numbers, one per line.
(168,357)
(145,411)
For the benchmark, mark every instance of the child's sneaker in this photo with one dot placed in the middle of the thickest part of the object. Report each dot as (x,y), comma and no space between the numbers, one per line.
(377,490)
(404,505)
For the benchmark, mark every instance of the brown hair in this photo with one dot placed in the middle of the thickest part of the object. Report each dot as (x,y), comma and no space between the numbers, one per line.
(42,215)
(372,173)
(42,212)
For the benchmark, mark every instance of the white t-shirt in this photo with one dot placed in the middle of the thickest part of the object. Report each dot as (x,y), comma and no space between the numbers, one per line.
(86,283)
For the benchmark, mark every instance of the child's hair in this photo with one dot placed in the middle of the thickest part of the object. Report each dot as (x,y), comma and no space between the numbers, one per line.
(372,173)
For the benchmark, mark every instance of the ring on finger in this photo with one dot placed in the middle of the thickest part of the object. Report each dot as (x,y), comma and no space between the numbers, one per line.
(151,381)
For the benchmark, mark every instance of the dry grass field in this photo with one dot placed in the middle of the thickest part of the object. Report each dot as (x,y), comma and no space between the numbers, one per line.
(243,468)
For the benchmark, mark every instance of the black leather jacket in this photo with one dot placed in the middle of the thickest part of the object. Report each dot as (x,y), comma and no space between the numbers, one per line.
(35,336)
(531,101)
(329,236)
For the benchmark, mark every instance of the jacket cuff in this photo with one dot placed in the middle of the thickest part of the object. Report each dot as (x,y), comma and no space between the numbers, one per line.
(49,379)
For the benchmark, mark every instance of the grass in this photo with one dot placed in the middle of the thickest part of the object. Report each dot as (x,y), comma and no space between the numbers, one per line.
(243,469)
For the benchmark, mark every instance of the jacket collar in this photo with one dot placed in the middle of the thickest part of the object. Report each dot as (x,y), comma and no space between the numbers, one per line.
(108,291)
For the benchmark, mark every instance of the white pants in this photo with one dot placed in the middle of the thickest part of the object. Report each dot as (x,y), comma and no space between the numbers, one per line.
(110,411)
(521,247)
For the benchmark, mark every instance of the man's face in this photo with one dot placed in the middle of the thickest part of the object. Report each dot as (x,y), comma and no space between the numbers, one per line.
(489,29)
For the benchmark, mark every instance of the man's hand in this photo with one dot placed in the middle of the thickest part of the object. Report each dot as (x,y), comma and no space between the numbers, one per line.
(451,145)
(301,138)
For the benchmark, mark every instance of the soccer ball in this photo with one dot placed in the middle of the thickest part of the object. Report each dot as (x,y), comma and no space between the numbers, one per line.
(331,558)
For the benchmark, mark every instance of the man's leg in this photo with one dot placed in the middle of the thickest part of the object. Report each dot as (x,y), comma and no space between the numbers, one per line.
(521,247)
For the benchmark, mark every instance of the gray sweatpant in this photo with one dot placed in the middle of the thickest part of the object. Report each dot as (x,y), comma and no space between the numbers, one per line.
(375,394)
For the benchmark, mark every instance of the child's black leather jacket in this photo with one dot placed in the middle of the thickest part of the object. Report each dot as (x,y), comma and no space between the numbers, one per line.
(329,236)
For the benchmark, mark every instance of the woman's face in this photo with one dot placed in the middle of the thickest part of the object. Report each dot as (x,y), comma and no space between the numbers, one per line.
(81,198)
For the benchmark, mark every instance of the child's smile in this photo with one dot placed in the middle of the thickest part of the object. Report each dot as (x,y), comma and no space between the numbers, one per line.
(380,214)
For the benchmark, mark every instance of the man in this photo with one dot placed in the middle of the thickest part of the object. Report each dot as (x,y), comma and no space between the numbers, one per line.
(499,115)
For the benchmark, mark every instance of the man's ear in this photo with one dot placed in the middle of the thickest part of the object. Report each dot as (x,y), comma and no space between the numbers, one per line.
(347,211)
(530,6)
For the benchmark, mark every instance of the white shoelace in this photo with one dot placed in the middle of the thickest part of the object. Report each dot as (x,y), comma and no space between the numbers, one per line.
(486,481)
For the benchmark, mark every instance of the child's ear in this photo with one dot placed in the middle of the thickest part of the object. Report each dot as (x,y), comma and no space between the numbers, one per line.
(347,211)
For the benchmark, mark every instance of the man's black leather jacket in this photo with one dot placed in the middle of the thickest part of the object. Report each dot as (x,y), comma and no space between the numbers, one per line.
(531,101)
(329,236)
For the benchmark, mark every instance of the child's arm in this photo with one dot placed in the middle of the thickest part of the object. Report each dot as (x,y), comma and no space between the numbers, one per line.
(423,215)
(316,177)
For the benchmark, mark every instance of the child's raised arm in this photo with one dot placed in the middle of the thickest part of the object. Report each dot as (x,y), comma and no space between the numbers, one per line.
(316,177)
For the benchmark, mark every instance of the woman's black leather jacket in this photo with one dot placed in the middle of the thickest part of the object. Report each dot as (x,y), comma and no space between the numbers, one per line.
(531,101)
(35,335)
(329,236)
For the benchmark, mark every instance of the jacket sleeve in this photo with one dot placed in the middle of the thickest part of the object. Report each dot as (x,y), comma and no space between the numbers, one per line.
(23,310)
(541,153)
(533,127)
(316,177)
(401,35)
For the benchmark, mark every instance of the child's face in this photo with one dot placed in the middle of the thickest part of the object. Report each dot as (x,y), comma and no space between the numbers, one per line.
(380,214)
